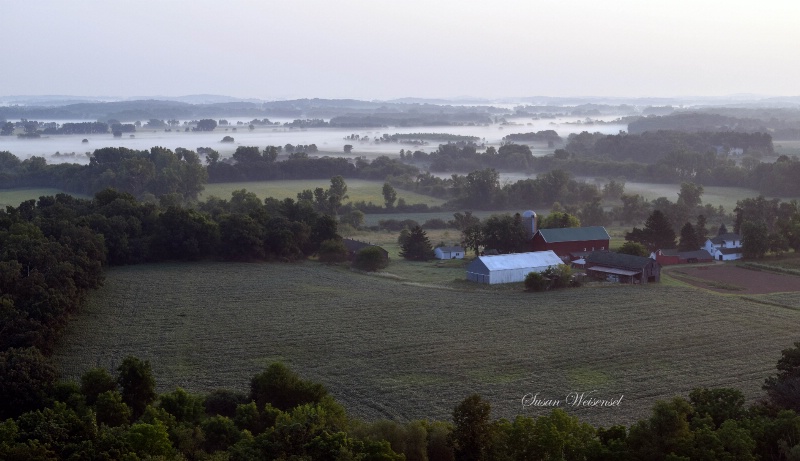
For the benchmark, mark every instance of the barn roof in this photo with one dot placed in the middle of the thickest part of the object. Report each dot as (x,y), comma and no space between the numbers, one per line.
(618,260)
(574,234)
(450,249)
(520,260)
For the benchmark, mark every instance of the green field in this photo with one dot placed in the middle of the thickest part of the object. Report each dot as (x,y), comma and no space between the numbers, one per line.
(13,197)
(405,344)
(790,148)
(725,196)
(357,189)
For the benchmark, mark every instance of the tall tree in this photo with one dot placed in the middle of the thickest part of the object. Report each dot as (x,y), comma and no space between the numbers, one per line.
(783,389)
(688,240)
(657,233)
(389,195)
(755,239)
(505,234)
(472,432)
(417,246)
(137,383)
(700,229)
(558,220)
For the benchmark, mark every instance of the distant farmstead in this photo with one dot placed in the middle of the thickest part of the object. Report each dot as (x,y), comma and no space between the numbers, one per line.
(454,252)
(511,268)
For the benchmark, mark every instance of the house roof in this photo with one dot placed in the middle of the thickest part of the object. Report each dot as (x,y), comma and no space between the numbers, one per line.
(520,260)
(618,260)
(697,254)
(730,236)
(729,251)
(452,249)
(574,234)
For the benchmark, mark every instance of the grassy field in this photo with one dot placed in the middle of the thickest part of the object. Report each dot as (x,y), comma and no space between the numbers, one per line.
(790,148)
(407,344)
(357,189)
(725,196)
(13,197)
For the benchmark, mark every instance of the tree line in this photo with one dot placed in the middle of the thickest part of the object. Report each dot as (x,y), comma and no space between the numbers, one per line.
(52,251)
(283,416)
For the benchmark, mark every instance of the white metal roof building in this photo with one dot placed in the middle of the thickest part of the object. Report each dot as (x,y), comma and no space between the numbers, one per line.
(510,268)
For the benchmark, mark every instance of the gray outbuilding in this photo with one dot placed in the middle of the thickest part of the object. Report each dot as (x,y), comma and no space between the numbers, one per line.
(510,268)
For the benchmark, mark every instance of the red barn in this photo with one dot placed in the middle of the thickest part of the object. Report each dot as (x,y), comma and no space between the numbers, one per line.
(571,240)
(670,257)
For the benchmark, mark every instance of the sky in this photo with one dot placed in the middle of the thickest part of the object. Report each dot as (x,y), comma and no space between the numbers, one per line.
(381,49)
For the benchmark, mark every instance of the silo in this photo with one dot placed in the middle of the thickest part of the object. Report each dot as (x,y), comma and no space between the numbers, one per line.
(529,221)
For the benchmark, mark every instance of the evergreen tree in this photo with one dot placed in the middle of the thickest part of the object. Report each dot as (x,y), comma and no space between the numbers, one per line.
(417,246)
(688,240)
(657,233)
(700,229)
(722,229)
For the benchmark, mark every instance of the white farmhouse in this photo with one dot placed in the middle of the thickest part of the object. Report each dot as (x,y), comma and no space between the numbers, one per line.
(455,252)
(725,247)
(510,268)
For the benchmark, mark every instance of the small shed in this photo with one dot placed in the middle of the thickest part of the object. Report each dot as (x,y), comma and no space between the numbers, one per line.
(618,267)
(511,268)
(454,252)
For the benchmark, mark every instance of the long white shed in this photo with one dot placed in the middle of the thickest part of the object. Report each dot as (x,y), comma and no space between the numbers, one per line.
(510,268)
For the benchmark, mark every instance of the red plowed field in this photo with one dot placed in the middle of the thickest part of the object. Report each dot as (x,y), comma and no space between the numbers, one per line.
(727,278)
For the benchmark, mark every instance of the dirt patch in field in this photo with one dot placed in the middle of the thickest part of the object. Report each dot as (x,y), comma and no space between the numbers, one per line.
(728,278)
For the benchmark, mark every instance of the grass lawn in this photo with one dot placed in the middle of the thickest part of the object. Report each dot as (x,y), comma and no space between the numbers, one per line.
(408,344)
(357,189)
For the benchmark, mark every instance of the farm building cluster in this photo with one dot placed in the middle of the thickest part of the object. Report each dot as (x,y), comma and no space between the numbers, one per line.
(588,248)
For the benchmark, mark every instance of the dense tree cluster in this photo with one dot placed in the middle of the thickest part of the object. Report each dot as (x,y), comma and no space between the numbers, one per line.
(767,225)
(674,157)
(547,136)
(652,146)
(783,124)
(464,157)
(157,172)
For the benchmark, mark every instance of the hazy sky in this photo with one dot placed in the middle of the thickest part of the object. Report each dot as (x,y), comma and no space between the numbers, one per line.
(374,49)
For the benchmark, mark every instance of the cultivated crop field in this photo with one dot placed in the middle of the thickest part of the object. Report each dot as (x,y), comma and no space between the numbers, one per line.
(357,189)
(389,347)
(732,278)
